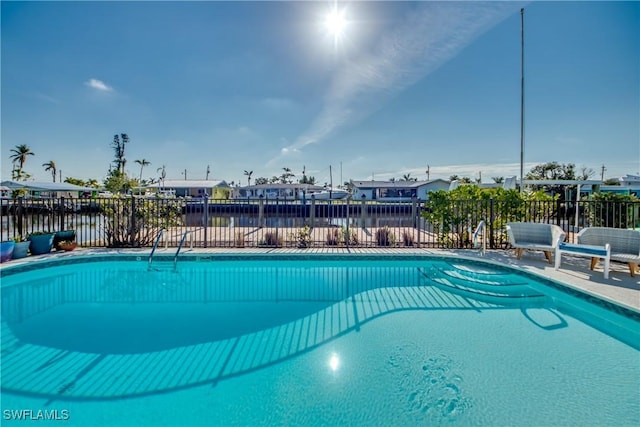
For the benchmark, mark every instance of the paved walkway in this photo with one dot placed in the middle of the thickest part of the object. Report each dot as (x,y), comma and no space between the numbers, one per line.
(620,288)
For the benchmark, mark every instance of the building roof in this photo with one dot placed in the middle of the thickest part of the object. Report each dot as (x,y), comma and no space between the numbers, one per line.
(395,184)
(45,186)
(189,183)
(277,186)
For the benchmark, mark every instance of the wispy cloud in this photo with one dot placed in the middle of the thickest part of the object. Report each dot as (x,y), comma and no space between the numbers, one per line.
(431,34)
(47,98)
(98,85)
(486,171)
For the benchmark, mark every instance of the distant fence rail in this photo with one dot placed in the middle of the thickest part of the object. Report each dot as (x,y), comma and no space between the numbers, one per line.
(134,222)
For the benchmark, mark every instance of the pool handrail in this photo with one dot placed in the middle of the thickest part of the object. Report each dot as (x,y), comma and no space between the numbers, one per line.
(482,227)
(184,236)
(155,245)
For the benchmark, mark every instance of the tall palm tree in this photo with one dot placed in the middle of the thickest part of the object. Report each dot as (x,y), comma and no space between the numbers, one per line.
(248,174)
(163,173)
(142,163)
(20,153)
(51,166)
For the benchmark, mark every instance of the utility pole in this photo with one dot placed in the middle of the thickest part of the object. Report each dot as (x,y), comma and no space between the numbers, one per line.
(521,100)
(602,173)
(427,172)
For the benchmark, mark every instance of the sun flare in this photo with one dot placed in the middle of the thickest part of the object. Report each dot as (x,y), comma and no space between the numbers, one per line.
(335,23)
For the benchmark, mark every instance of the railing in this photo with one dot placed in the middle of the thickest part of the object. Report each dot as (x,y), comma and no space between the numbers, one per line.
(184,236)
(481,228)
(155,245)
(128,222)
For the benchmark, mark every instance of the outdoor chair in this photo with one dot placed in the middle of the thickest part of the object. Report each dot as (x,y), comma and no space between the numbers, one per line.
(534,236)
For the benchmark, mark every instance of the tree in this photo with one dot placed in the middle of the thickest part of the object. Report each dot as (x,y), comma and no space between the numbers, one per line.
(311,180)
(142,163)
(552,171)
(407,177)
(51,166)
(261,180)
(163,173)
(586,173)
(19,175)
(612,210)
(498,179)
(248,175)
(19,156)
(118,146)
(286,176)
(306,179)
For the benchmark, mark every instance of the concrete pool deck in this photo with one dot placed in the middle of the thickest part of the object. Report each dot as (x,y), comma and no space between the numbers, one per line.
(620,288)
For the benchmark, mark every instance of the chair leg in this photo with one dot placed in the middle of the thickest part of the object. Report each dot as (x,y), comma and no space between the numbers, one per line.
(594,262)
(632,268)
(547,255)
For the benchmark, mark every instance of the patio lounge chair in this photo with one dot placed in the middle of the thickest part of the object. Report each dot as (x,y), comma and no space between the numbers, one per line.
(625,244)
(534,236)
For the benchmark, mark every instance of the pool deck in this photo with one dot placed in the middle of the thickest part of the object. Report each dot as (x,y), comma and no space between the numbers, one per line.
(620,288)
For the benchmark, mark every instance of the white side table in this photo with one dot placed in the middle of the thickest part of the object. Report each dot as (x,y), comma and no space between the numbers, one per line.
(593,252)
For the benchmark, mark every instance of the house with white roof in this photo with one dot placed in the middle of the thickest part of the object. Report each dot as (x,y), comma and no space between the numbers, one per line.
(396,191)
(191,187)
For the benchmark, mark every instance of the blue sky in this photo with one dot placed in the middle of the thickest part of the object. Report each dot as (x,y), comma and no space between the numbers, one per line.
(263,85)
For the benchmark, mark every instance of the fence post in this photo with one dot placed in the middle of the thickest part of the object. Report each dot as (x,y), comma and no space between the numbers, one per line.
(205,201)
(363,212)
(312,213)
(490,220)
(61,209)
(261,212)
(418,222)
(19,212)
(347,236)
(132,227)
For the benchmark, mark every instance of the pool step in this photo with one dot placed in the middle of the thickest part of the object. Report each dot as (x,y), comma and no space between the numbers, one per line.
(502,289)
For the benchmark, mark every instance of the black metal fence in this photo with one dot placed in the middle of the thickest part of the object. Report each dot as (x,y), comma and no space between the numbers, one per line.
(136,222)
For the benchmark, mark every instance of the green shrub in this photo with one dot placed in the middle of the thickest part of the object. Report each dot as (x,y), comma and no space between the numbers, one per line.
(303,237)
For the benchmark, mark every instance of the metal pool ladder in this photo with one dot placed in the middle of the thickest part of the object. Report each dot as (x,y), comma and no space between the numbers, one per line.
(155,245)
(481,228)
(184,236)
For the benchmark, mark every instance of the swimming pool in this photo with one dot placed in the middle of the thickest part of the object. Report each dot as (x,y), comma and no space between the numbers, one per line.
(305,341)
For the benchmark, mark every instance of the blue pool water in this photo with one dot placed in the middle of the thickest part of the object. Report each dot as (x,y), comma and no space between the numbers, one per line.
(332,341)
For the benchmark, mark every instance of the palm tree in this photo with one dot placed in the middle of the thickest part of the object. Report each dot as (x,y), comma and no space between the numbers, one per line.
(142,163)
(19,175)
(20,153)
(51,166)
(407,177)
(248,175)
(163,174)
(286,176)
